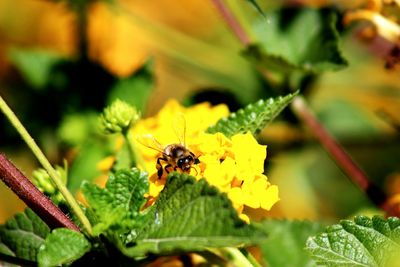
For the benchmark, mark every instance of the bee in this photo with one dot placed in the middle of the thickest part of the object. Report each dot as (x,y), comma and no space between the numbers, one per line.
(173,156)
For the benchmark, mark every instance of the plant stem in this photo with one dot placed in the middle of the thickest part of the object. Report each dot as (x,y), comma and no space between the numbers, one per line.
(32,197)
(345,162)
(250,258)
(133,152)
(213,257)
(231,21)
(46,165)
(237,257)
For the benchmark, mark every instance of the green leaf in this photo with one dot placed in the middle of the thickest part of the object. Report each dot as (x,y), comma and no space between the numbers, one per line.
(62,246)
(120,201)
(76,128)
(190,215)
(253,117)
(22,235)
(256,6)
(134,90)
(83,168)
(285,243)
(297,39)
(35,65)
(362,242)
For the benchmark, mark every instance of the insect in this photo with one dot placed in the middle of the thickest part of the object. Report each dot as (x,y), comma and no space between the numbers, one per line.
(174,156)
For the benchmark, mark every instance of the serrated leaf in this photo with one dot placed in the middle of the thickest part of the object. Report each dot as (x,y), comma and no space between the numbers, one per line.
(120,201)
(22,235)
(62,246)
(284,245)
(35,65)
(297,39)
(253,117)
(190,215)
(362,242)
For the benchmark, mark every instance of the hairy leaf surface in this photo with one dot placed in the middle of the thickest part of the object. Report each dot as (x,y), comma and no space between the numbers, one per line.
(62,246)
(191,215)
(120,201)
(253,117)
(362,242)
(22,235)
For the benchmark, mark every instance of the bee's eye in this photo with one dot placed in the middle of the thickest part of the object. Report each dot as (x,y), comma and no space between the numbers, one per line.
(189,158)
(180,162)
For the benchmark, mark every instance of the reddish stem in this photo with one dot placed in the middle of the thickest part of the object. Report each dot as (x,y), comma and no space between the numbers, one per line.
(343,160)
(303,112)
(233,24)
(32,197)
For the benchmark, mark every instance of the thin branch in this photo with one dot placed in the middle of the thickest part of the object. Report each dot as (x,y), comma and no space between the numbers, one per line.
(231,21)
(342,159)
(32,197)
(76,209)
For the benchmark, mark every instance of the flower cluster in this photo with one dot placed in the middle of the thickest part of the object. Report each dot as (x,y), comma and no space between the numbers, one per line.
(234,165)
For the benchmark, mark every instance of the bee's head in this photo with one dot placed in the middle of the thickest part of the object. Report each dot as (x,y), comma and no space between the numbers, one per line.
(185,163)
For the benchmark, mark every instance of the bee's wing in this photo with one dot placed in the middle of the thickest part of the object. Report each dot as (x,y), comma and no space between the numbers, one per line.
(179,125)
(150,141)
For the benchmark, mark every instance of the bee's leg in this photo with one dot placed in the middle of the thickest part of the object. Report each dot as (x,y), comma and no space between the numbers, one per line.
(159,167)
(166,168)
(195,170)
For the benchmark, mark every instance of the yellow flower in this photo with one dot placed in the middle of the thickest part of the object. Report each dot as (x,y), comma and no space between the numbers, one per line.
(234,165)
(385,26)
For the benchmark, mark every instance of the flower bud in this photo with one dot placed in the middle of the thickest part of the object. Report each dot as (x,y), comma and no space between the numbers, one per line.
(118,117)
(41,179)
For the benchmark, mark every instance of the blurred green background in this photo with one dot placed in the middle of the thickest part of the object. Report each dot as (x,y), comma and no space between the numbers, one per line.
(62,62)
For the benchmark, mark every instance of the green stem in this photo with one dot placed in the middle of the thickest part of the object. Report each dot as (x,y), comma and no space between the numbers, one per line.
(238,259)
(46,165)
(250,258)
(213,257)
(133,152)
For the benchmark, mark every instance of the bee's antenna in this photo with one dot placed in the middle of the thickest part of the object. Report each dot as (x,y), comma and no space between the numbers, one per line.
(179,125)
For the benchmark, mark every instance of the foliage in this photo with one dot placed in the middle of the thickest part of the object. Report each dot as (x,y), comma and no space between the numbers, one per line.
(35,65)
(362,242)
(190,216)
(139,217)
(256,6)
(120,201)
(22,235)
(284,45)
(284,245)
(135,89)
(62,246)
(253,117)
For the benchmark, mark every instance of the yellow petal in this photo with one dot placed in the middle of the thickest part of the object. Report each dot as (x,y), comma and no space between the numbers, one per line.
(236,196)
(249,155)
(244,217)
(270,197)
